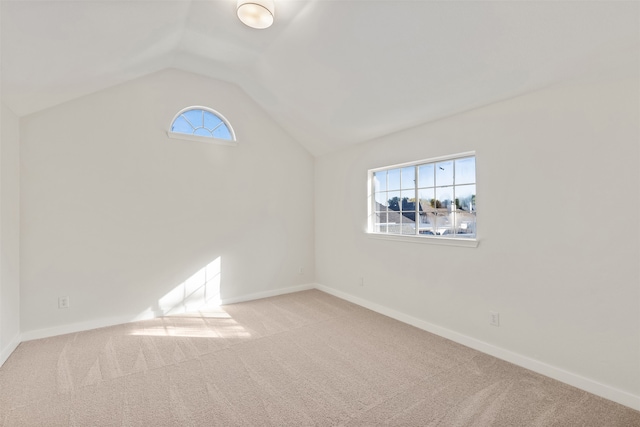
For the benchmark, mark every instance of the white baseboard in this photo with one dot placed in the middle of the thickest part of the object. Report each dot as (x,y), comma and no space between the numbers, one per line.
(111,321)
(6,352)
(554,372)
(85,326)
(267,294)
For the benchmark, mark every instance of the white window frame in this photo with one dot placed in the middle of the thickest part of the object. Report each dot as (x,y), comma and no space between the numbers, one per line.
(198,138)
(429,239)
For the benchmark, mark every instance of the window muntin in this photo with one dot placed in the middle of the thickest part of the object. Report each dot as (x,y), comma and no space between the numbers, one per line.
(201,122)
(428,198)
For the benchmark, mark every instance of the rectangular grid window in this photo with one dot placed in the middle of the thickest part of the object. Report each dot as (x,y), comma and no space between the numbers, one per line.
(429,198)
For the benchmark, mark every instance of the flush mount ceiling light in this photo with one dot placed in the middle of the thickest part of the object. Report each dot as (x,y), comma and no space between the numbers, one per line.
(256,13)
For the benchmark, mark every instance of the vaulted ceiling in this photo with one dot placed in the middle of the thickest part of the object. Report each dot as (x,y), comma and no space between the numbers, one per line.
(329,72)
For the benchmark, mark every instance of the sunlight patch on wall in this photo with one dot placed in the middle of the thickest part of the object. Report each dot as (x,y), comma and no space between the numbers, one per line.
(192,309)
(200,292)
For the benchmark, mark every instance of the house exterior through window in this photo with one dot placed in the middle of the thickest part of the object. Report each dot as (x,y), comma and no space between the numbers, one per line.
(431,198)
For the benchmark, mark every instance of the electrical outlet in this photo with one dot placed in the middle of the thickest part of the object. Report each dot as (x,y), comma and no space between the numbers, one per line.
(494,318)
(361,281)
(63,302)
(300,270)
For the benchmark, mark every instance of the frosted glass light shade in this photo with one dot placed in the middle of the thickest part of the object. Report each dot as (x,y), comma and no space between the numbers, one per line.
(256,13)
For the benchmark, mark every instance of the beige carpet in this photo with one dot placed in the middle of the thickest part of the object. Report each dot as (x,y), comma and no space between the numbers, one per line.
(303,359)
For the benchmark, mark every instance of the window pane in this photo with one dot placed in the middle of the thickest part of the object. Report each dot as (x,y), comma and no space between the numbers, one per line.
(465,197)
(381,202)
(393,200)
(194,117)
(427,210)
(408,200)
(465,210)
(211,120)
(408,207)
(393,179)
(394,222)
(379,181)
(443,210)
(427,200)
(443,224)
(425,175)
(202,132)
(222,132)
(427,221)
(444,197)
(380,222)
(466,170)
(465,224)
(409,177)
(408,223)
(181,125)
(444,173)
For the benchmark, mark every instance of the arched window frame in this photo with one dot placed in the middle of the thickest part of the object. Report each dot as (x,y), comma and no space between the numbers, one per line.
(198,138)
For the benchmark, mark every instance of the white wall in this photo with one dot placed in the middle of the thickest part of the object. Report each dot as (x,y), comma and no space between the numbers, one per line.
(9,233)
(9,229)
(558,201)
(116,215)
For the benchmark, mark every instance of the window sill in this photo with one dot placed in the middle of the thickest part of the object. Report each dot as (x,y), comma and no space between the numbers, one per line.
(196,138)
(443,241)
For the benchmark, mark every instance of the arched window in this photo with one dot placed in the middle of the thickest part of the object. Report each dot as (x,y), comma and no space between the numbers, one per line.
(202,124)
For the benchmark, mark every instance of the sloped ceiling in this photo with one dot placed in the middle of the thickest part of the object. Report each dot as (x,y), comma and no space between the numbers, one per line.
(329,72)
